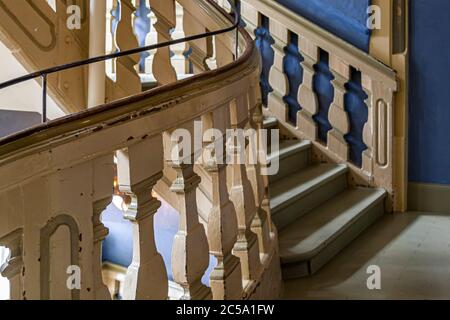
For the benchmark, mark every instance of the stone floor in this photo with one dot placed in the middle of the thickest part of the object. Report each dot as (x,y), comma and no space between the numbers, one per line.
(412,251)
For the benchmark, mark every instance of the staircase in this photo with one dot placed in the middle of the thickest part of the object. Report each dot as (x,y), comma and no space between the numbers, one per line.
(75,166)
(315,210)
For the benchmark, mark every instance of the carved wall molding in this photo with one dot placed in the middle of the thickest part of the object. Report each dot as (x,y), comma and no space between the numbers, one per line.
(46,233)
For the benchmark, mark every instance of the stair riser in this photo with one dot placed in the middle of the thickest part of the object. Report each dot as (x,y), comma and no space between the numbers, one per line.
(309,267)
(292,163)
(269,139)
(308,202)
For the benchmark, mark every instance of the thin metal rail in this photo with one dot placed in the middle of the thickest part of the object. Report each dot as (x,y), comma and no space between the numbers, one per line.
(43,74)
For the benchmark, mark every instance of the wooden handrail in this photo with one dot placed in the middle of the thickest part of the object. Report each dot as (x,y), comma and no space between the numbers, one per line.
(86,118)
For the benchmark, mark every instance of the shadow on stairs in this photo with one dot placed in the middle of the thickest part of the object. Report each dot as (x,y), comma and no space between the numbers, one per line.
(315,210)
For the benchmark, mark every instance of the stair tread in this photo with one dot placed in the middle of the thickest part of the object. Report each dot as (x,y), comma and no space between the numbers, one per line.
(270,122)
(291,188)
(305,237)
(290,147)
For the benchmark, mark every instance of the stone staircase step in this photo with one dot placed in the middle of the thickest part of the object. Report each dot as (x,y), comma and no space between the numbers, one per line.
(313,240)
(303,191)
(270,123)
(293,156)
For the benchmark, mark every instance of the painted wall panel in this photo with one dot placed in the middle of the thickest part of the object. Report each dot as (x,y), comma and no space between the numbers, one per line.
(429,105)
(345,18)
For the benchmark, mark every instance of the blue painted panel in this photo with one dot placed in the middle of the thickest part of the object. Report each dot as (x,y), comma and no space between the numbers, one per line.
(345,18)
(118,246)
(325,94)
(358,115)
(429,114)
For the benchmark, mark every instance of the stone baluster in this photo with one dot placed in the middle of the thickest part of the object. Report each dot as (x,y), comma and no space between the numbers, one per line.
(139,169)
(368,131)
(197,51)
(241,193)
(337,114)
(127,78)
(142,29)
(12,269)
(190,254)
(306,95)
(100,234)
(103,183)
(114,17)
(226,278)
(277,78)
(165,13)
(261,223)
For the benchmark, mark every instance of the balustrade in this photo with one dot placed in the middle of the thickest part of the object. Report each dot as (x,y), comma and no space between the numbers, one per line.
(346,141)
(59,178)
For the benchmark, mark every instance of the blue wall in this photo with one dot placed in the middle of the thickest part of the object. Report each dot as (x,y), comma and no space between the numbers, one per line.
(118,245)
(346,19)
(429,104)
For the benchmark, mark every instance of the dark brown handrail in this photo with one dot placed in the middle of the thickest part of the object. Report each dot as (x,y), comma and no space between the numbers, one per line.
(45,72)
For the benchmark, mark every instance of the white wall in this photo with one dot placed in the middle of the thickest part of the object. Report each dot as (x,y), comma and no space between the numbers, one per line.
(4,283)
(25,96)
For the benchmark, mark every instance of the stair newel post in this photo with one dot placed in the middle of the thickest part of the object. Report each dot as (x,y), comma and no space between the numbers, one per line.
(165,12)
(13,267)
(226,278)
(139,169)
(102,186)
(241,192)
(337,115)
(306,94)
(261,222)
(190,254)
(378,136)
(197,51)
(127,78)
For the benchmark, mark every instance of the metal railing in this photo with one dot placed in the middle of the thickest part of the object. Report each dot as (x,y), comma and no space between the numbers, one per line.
(43,74)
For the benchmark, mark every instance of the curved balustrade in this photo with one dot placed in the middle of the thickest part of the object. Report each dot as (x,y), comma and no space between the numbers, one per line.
(337,78)
(58,178)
